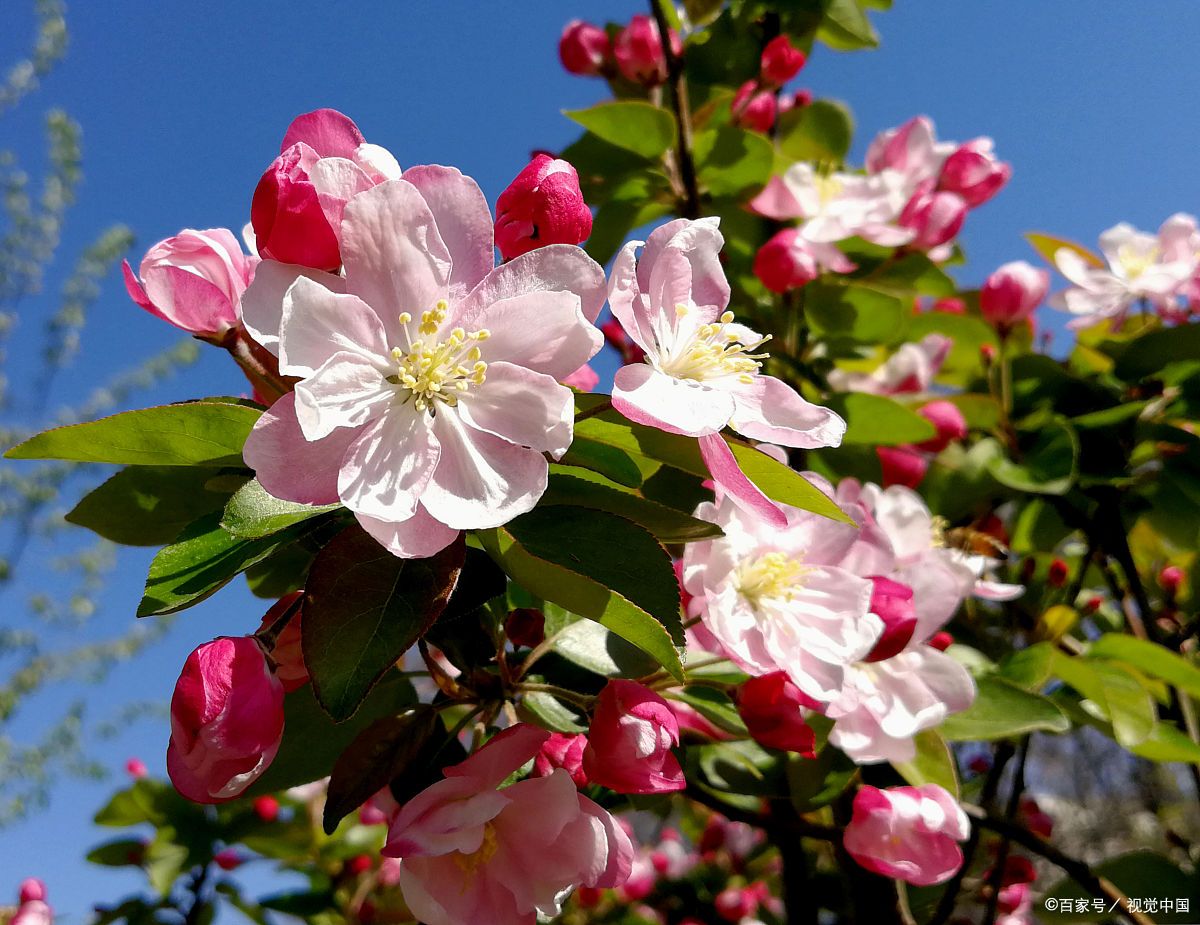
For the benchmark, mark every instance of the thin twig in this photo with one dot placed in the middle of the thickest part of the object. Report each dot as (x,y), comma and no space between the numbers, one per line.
(996,880)
(683,116)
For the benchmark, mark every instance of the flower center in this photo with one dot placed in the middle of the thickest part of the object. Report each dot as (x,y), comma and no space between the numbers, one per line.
(774,576)
(713,352)
(470,863)
(829,187)
(434,371)
(1134,261)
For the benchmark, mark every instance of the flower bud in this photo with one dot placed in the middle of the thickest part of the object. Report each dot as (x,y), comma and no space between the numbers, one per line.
(639,52)
(949,421)
(287,652)
(525,626)
(1057,574)
(359,864)
(933,216)
(798,100)
(781,61)
(974,173)
(1034,818)
(584,49)
(562,751)
(736,903)
(136,768)
(1011,293)
(266,808)
(892,602)
(940,641)
(630,741)
(289,223)
(226,720)
(543,205)
(753,107)
(33,889)
(228,859)
(1170,578)
(785,263)
(907,833)
(770,706)
(987,354)
(901,465)
(950,305)
(194,281)
(34,912)
(615,336)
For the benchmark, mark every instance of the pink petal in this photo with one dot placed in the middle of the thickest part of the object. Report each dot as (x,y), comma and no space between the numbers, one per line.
(726,472)
(553,268)
(463,220)
(318,323)
(327,131)
(542,331)
(346,391)
(585,379)
(287,465)
(502,755)
(777,201)
(196,305)
(678,406)
(262,302)
(661,270)
(772,411)
(626,300)
(523,407)
(136,292)
(337,180)
(387,468)
(416,538)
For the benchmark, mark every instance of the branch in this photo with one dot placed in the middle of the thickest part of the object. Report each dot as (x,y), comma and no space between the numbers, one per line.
(996,879)
(683,115)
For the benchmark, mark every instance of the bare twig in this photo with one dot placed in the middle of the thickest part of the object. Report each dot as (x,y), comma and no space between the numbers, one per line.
(683,116)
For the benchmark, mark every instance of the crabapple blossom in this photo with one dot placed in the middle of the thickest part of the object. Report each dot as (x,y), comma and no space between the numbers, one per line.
(775,598)
(194,280)
(1170,578)
(753,107)
(584,48)
(911,369)
(1011,293)
(32,889)
(629,743)
(475,853)
(771,707)
(789,261)
(934,216)
(562,751)
(639,54)
(908,833)
(525,626)
(780,61)
(428,388)
(136,768)
(33,912)
(701,371)
(973,172)
(946,417)
(543,205)
(911,151)
(891,601)
(226,720)
(902,465)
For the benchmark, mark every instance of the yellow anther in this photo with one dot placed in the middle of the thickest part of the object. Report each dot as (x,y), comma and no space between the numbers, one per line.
(405,317)
(680,310)
(771,577)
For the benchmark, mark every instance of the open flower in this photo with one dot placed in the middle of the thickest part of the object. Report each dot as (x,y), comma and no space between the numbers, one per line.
(701,371)
(475,853)
(909,833)
(429,384)
(910,369)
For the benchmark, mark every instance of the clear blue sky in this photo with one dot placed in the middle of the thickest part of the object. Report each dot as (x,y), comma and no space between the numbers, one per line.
(183,106)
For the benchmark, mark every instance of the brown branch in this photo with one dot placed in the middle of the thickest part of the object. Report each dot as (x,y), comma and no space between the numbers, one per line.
(996,880)
(683,116)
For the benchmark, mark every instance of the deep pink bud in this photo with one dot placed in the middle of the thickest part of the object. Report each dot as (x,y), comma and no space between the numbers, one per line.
(1011,293)
(934,216)
(974,173)
(781,61)
(266,808)
(1170,578)
(892,602)
(1057,574)
(902,465)
(736,903)
(226,720)
(753,107)
(289,223)
(525,626)
(639,53)
(1092,604)
(950,305)
(987,354)
(784,263)
(770,707)
(801,99)
(584,48)
(136,768)
(949,421)
(562,751)
(327,131)
(940,641)
(543,205)
(228,859)
(630,741)
(287,652)
(359,864)
(33,889)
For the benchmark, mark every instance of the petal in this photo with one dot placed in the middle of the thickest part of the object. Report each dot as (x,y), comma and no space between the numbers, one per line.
(523,407)
(395,259)
(327,131)
(503,754)
(770,410)
(553,268)
(318,323)
(416,538)
(728,475)
(385,470)
(463,220)
(626,300)
(542,331)
(678,406)
(345,391)
(703,284)
(289,466)
(337,180)
(188,301)
(481,481)
(262,302)
(777,201)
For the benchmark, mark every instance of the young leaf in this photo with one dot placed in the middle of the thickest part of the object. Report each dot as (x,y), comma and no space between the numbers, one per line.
(363,609)
(200,433)
(877,420)
(1151,658)
(666,524)
(732,161)
(633,125)
(932,764)
(252,512)
(1048,245)
(1002,710)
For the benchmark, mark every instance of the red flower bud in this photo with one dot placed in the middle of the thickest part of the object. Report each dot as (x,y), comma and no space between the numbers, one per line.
(940,641)
(781,61)
(770,707)
(584,49)
(1010,294)
(136,768)
(754,108)
(359,864)
(630,741)
(562,751)
(266,808)
(1057,574)
(949,421)
(228,859)
(784,263)
(902,465)
(950,305)
(525,626)
(974,173)
(543,205)
(1170,578)
(934,216)
(639,52)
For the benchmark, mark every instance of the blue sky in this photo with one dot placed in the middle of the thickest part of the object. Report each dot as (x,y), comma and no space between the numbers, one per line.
(184,106)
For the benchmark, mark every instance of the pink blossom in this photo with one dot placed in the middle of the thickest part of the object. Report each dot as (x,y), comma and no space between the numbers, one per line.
(562,751)
(585,379)
(902,465)
(429,379)
(892,602)
(584,49)
(775,598)
(701,372)
(909,833)
(949,421)
(298,203)
(934,216)
(629,744)
(475,853)
(32,889)
(910,150)
(753,107)
(643,877)
(1011,294)
(193,280)
(1170,577)
(736,903)
(639,52)
(973,172)
(911,369)
(34,912)
(228,859)
(226,720)
(286,652)
(789,261)
(543,205)
(136,768)
(772,707)
(781,61)
(379,809)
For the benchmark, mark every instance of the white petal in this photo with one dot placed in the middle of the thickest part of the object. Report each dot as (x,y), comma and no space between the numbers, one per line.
(523,407)
(318,323)
(262,302)
(346,391)
(543,331)
(678,406)
(385,470)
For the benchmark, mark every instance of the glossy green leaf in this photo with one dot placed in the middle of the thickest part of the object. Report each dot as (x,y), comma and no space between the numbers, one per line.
(1115,694)
(1002,710)
(253,513)
(817,782)
(666,524)
(876,420)
(732,161)
(1167,743)
(715,706)
(589,645)
(819,133)
(549,712)
(633,125)
(855,311)
(1049,458)
(1148,354)
(846,27)
(932,764)
(1155,660)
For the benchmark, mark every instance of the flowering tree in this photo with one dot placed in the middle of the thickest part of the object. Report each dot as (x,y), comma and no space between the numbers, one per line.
(842,550)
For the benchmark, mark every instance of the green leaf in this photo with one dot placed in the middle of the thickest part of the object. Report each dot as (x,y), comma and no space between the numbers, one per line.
(1048,245)
(1151,658)
(363,609)
(666,524)
(1029,668)
(732,161)
(856,311)
(876,420)
(819,132)
(1002,710)
(1049,458)
(914,273)
(253,513)
(715,706)
(1115,694)
(629,124)
(144,800)
(932,764)
(201,561)
(589,645)
(743,767)
(1151,352)
(201,433)
(1166,743)
(599,566)
(817,782)
(380,752)
(846,27)
(609,461)
(150,505)
(121,852)
(549,712)
(166,861)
